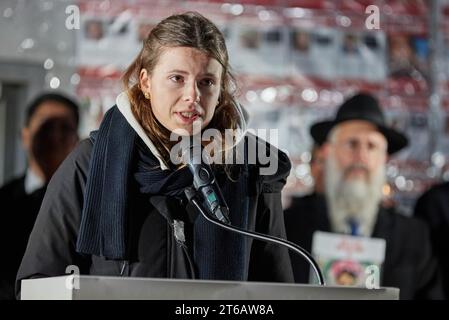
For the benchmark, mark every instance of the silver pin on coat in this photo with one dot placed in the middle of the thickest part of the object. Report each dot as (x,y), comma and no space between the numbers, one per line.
(178,227)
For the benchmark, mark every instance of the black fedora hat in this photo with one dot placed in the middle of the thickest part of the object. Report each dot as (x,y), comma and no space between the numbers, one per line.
(365,107)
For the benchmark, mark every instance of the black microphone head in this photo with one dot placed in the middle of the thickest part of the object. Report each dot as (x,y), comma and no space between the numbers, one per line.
(204,182)
(198,162)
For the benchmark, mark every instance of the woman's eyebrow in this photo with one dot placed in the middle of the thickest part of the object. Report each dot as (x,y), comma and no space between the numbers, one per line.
(177,71)
(207,74)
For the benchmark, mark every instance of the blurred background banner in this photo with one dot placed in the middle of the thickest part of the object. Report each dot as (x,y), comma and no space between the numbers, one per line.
(296,61)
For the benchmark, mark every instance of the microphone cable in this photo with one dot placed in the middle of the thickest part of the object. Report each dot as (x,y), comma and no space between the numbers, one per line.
(191,195)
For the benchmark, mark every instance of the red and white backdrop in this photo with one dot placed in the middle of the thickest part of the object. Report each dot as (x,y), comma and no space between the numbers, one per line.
(295,62)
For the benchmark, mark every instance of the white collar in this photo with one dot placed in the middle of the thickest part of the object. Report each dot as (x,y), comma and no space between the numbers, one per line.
(32,182)
(124,106)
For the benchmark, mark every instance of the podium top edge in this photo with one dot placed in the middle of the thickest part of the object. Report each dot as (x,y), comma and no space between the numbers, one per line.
(220,282)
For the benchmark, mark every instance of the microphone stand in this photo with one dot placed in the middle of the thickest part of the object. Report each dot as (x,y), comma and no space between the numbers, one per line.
(191,194)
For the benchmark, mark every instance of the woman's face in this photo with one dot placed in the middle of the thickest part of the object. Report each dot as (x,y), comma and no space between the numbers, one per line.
(184,87)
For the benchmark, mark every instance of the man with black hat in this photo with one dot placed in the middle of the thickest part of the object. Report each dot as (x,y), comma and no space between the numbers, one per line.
(357,144)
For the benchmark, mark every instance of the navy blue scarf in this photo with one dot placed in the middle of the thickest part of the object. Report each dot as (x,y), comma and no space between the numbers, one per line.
(218,254)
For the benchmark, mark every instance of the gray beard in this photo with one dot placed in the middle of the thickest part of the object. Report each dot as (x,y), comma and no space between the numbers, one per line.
(356,198)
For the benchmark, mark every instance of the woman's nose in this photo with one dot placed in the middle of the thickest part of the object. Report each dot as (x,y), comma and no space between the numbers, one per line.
(192,93)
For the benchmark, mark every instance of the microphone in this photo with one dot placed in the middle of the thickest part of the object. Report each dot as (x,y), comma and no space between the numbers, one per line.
(204,182)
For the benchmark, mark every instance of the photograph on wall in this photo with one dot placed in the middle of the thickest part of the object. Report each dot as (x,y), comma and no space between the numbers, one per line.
(261,49)
(301,56)
(408,56)
(324,51)
(107,41)
(362,56)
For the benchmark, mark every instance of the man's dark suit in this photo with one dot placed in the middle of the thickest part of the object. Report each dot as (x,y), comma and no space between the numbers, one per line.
(433,207)
(409,264)
(18,214)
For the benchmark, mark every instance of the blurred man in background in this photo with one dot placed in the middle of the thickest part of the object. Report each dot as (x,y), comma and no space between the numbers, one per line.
(357,144)
(49,134)
(433,208)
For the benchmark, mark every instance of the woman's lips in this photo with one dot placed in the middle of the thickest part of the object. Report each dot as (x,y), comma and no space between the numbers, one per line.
(186,119)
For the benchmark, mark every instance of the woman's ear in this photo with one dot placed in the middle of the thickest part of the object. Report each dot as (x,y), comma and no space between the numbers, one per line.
(144,80)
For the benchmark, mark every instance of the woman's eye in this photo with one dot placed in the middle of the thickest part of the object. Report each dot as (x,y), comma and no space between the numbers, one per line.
(207,82)
(176,78)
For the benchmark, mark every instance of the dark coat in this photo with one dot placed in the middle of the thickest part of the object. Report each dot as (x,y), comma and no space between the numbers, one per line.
(409,264)
(154,249)
(433,207)
(19,211)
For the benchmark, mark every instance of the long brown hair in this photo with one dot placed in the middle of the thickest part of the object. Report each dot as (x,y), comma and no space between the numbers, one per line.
(192,30)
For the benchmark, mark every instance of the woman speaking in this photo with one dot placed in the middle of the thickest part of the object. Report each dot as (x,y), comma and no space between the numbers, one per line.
(116,206)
